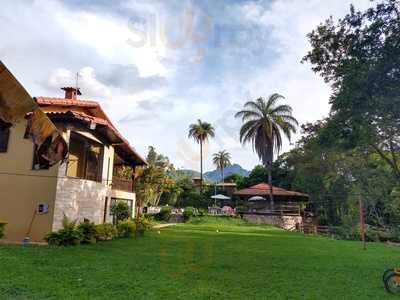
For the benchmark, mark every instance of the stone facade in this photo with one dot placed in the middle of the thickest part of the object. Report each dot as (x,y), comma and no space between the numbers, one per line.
(285,222)
(79,199)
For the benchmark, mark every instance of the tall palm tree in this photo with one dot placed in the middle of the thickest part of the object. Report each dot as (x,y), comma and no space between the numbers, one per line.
(264,121)
(221,160)
(201,132)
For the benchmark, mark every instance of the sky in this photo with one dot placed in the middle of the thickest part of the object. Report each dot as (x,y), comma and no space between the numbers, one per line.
(156,66)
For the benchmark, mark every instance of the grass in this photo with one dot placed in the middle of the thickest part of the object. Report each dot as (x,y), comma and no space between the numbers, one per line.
(194,261)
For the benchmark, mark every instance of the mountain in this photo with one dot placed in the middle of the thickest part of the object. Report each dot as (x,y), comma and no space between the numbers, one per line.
(215,175)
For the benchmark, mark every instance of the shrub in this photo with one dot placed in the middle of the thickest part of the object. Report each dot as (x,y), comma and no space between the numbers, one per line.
(106,232)
(87,230)
(126,228)
(120,210)
(164,214)
(188,213)
(68,236)
(201,212)
(2,229)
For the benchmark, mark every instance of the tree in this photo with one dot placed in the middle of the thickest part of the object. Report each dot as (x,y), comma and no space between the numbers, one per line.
(264,122)
(120,211)
(154,180)
(359,56)
(238,179)
(201,132)
(221,160)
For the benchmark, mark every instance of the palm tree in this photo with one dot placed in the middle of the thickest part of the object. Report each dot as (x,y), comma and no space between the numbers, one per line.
(221,160)
(264,121)
(201,132)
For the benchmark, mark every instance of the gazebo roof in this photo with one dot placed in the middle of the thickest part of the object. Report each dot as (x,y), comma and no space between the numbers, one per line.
(262,189)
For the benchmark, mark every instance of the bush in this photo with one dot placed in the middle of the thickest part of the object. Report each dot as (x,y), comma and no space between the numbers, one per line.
(87,230)
(126,228)
(188,213)
(106,232)
(202,212)
(2,229)
(68,236)
(120,210)
(164,214)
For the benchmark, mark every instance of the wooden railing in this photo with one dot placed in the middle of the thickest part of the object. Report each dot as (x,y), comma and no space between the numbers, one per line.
(277,209)
(122,184)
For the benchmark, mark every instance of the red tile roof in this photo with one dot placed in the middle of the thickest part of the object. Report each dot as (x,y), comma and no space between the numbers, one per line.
(262,189)
(97,115)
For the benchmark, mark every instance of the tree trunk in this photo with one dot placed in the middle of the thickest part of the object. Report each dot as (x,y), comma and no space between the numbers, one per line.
(201,167)
(271,195)
(222,174)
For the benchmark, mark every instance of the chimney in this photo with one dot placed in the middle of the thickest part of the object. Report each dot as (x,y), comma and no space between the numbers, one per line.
(71,93)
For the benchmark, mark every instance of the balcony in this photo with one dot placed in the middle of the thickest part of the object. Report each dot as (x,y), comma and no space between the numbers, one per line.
(122,184)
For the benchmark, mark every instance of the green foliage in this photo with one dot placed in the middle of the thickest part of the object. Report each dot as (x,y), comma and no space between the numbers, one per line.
(2,229)
(188,213)
(164,214)
(106,232)
(156,183)
(201,132)
(126,228)
(69,235)
(120,210)
(221,160)
(359,56)
(241,181)
(87,231)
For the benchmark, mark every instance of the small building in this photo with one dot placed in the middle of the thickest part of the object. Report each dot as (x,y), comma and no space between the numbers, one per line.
(286,211)
(35,196)
(257,199)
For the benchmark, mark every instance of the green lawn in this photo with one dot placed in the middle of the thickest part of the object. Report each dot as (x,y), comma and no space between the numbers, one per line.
(194,261)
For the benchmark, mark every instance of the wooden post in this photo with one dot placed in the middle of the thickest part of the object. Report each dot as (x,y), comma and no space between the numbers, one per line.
(362,224)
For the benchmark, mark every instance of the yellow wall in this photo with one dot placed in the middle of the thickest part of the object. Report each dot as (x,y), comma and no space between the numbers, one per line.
(22,188)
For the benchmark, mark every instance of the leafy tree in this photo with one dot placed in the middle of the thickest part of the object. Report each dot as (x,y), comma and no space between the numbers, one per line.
(238,179)
(120,210)
(359,56)
(221,160)
(201,132)
(264,122)
(155,179)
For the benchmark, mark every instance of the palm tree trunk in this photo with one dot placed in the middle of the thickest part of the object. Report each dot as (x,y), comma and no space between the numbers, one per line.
(271,195)
(201,167)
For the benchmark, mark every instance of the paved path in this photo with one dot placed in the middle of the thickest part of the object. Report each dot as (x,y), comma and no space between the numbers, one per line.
(159,226)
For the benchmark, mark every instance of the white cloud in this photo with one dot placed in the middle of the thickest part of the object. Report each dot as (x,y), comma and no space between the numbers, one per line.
(152,91)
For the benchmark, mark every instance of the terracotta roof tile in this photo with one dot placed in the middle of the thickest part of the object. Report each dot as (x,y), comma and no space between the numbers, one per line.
(262,189)
(98,117)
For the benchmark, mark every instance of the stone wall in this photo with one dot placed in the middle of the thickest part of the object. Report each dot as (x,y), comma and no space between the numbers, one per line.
(285,222)
(79,199)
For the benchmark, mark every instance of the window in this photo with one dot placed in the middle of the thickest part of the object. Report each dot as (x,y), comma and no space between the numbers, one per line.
(4,136)
(85,158)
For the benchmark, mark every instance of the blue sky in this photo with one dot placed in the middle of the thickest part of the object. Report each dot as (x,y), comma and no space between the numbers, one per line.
(158,65)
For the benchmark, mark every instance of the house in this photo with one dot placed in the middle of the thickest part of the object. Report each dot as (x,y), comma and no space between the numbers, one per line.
(34,196)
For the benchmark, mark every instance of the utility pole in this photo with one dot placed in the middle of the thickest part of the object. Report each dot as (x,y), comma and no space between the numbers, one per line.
(362,222)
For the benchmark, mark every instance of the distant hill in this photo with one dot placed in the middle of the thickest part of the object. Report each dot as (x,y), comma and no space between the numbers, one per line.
(215,175)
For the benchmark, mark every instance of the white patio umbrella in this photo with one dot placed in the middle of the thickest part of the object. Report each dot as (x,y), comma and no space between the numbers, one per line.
(257,198)
(220,197)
